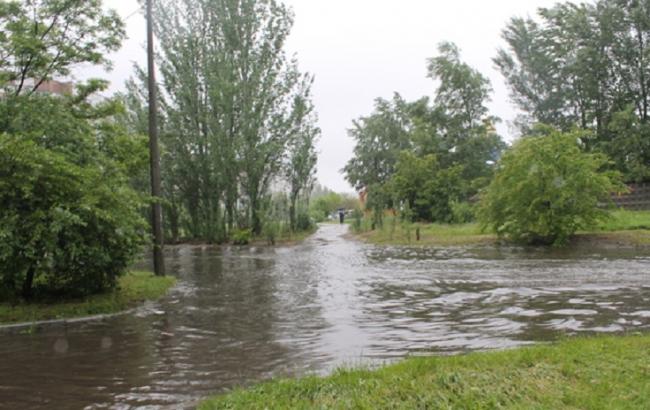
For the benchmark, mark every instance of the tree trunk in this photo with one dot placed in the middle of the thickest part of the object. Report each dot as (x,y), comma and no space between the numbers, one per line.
(292,209)
(256,221)
(292,216)
(29,283)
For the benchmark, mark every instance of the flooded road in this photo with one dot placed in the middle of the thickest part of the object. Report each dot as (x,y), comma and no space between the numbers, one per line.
(241,315)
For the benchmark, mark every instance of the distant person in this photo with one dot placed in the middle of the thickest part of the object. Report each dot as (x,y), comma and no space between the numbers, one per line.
(341,216)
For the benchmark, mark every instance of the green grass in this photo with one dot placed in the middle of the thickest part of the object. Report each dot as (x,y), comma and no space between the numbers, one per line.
(598,373)
(626,221)
(628,227)
(394,232)
(133,289)
(285,237)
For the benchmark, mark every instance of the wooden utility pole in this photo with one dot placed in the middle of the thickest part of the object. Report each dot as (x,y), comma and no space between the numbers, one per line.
(154,153)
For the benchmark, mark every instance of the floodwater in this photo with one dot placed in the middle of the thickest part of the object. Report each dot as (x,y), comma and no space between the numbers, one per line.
(243,315)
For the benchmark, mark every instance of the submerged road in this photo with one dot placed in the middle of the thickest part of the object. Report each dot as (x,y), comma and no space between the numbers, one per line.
(243,315)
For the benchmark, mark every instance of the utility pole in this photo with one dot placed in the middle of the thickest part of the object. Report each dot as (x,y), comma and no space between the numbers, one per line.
(154,153)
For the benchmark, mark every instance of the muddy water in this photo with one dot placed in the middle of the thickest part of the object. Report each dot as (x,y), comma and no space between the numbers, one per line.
(245,315)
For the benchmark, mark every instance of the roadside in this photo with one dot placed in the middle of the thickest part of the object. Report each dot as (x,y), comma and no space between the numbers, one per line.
(283,238)
(601,372)
(133,289)
(625,228)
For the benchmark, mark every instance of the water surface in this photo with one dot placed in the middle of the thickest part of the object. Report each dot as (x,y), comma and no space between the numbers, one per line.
(242,315)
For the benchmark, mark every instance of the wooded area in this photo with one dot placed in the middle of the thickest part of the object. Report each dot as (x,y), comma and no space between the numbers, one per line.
(581,70)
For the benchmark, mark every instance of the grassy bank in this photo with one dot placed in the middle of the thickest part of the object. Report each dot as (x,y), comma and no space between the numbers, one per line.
(624,227)
(598,373)
(133,289)
(285,237)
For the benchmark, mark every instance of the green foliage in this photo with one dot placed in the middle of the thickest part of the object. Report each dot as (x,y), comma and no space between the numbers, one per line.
(379,139)
(300,169)
(69,222)
(596,373)
(586,65)
(65,228)
(450,139)
(303,222)
(237,116)
(42,39)
(242,236)
(463,91)
(629,145)
(427,190)
(547,188)
(271,231)
(357,218)
(462,212)
(321,207)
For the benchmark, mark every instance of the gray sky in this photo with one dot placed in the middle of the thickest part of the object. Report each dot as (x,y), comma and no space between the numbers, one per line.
(363,49)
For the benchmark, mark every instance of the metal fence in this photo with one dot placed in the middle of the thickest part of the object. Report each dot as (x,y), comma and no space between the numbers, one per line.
(637,199)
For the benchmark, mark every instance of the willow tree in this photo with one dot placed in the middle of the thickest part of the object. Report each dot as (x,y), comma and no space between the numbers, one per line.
(230,102)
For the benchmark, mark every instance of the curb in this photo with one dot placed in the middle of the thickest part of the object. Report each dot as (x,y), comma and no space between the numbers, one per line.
(42,324)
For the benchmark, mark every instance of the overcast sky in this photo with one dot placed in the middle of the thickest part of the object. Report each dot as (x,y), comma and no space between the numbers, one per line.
(363,49)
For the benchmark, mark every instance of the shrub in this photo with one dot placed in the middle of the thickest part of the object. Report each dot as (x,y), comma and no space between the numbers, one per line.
(65,229)
(271,231)
(546,188)
(357,217)
(428,189)
(241,236)
(304,222)
(462,212)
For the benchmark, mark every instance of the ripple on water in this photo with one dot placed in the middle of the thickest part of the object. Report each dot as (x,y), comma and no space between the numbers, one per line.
(242,315)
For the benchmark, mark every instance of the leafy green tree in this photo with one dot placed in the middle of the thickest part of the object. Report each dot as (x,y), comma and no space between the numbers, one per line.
(69,220)
(583,65)
(459,121)
(301,166)
(425,188)
(547,188)
(65,229)
(324,205)
(629,145)
(454,131)
(232,101)
(42,39)
(462,91)
(379,140)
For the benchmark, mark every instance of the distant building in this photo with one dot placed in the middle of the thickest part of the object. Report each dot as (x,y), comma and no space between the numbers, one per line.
(52,87)
(55,87)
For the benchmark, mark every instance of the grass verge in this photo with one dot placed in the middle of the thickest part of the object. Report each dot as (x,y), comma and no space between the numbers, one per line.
(597,373)
(623,228)
(133,288)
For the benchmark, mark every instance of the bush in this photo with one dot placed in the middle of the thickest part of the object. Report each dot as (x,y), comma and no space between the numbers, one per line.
(271,231)
(65,229)
(241,236)
(304,222)
(462,212)
(546,188)
(428,189)
(357,217)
